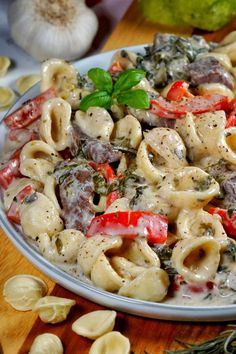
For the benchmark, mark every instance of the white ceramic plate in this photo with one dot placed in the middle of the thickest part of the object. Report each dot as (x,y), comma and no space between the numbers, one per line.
(137,307)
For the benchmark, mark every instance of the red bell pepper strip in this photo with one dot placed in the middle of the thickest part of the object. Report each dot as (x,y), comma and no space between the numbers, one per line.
(10,170)
(131,224)
(115,68)
(30,111)
(229,223)
(178,90)
(231,120)
(196,105)
(110,177)
(13,212)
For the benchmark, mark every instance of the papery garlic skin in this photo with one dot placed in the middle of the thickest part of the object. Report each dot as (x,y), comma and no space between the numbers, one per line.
(23,291)
(46,343)
(60,28)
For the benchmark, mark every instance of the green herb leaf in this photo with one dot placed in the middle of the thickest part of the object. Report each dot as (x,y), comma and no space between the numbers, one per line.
(134,99)
(127,79)
(96,99)
(101,78)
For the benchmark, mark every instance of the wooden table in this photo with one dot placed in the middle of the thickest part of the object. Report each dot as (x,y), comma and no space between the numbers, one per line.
(18,329)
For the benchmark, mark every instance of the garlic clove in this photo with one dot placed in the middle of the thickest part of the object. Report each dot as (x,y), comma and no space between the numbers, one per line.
(4,65)
(23,291)
(60,28)
(53,309)
(7,97)
(95,324)
(46,343)
(25,82)
(111,343)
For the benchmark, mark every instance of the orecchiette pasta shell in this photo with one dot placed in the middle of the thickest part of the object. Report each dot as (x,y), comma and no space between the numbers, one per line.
(197,259)
(198,223)
(53,309)
(127,62)
(16,186)
(139,252)
(57,73)
(228,46)
(46,343)
(227,145)
(104,276)
(128,129)
(101,206)
(125,268)
(222,58)
(40,216)
(190,186)
(55,126)
(120,204)
(92,247)
(23,291)
(145,166)
(111,343)
(50,191)
(4,65)
(168,146)
(96,123)
(7,97)
(95,324)
(62,247)
(24,83)
(150,285)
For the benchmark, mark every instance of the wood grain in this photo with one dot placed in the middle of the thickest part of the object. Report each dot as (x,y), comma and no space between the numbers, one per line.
(18,329)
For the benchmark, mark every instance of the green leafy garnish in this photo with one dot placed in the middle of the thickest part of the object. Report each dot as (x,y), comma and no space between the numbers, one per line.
(106,93)
(224,343)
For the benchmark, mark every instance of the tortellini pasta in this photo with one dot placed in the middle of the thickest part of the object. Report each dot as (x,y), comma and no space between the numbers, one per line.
(23,291)
(46,343)
(95,324)
(96,123)
(40,216)
(128,131)
(197,259)
(61,247)
(55,125)
(37,160)
(53,309)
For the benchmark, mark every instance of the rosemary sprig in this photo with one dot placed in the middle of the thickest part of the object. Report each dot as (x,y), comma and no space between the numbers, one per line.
(225,343)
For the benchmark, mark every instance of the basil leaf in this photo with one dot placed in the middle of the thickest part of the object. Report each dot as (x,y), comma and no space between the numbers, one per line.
(134,99)
(101,78)
(127,79)
(96,99)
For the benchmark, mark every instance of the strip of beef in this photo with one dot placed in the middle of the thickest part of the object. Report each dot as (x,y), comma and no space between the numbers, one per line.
(76,190)
(208,70)
(93,149)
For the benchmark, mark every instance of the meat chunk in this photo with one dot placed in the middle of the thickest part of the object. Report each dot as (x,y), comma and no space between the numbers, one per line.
(208,70)
(93,149)
(75,179)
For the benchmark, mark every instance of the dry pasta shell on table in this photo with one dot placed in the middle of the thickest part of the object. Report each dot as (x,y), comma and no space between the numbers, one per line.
(23,291)
(7,97)
(46,343)
(25,82)
(53,309)
(111,343)
(95,324)
(5,62)
(150,285)
(196,259)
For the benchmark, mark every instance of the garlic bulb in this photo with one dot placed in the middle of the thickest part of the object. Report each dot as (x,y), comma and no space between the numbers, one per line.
(52,28)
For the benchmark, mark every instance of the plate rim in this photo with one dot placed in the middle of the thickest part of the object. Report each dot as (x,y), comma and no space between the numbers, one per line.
(142,308)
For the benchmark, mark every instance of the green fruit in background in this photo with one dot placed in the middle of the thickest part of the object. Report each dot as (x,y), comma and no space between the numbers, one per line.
(160,11)
(209,15)
(204,14)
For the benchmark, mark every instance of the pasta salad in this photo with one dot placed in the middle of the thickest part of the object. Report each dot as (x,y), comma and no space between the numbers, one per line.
(126,177)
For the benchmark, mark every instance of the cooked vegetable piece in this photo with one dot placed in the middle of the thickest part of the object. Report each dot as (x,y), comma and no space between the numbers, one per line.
(29,112)
(229,222)
(131,224)
(13,212)
(178,90)
(10,170)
